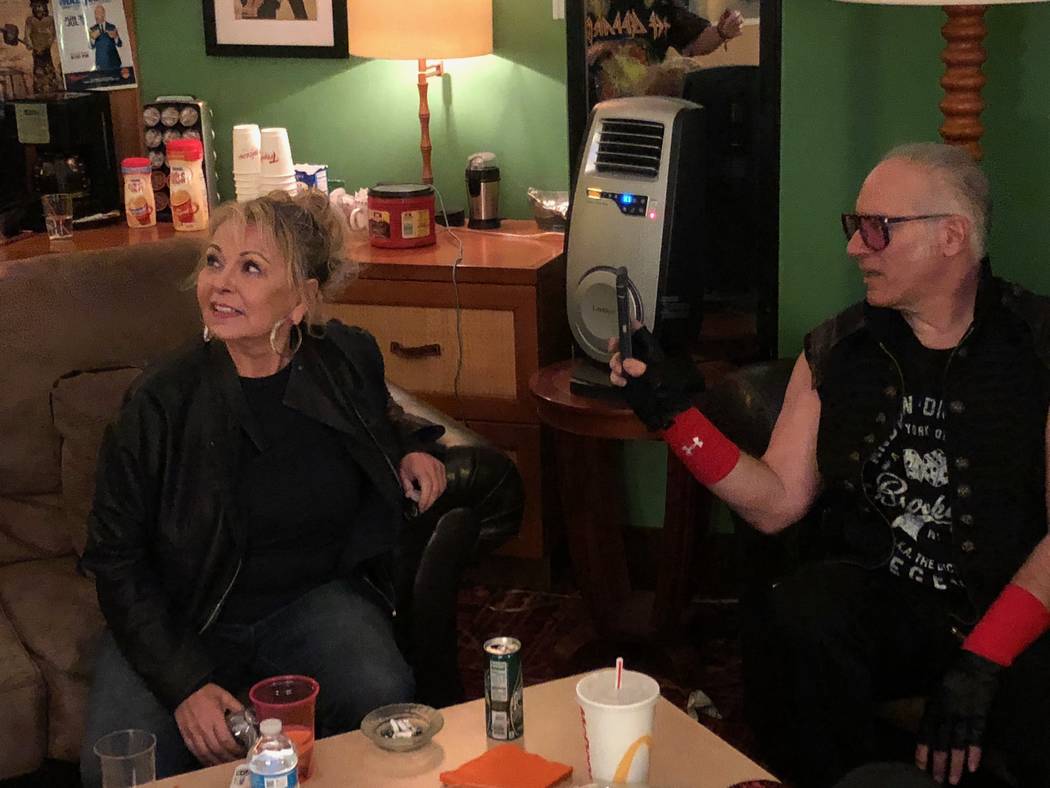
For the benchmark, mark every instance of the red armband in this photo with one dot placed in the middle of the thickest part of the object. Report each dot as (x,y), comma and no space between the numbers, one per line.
(704,450)
(1009,626)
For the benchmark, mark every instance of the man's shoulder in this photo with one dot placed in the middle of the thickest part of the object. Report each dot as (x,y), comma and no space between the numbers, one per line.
(1032,309)
(819,343)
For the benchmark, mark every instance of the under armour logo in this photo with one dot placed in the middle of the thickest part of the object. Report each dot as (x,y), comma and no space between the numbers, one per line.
(689,448)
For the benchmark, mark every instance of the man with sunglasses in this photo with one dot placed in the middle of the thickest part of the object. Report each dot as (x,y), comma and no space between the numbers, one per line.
(916,423)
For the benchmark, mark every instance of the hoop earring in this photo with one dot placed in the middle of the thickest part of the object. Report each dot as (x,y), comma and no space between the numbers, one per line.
(206,334)
(273,336)
(298,338)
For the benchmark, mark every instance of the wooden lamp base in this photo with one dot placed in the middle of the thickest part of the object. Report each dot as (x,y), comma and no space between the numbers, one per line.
(425,73)
(963,56)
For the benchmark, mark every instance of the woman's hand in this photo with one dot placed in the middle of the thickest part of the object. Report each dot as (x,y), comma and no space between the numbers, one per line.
(202,722)
(422,478)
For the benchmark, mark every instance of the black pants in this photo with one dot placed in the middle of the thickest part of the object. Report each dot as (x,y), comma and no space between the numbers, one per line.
(825,645)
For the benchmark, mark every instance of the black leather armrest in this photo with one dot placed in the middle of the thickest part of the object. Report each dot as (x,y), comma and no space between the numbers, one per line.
(746,403)
(456,433)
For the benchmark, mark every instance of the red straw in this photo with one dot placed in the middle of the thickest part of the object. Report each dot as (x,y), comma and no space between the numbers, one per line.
(619,672)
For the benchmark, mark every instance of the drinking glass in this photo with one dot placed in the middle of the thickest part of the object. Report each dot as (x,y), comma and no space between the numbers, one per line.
(128,758)
(58,215)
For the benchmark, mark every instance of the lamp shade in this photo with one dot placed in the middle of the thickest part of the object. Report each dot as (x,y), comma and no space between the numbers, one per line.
(414,29)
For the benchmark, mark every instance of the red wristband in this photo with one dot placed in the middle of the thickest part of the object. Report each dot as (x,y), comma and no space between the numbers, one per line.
(706,452)
(1009,626)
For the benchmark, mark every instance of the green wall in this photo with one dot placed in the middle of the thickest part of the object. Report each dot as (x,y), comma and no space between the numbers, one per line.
(360,116)
(858,80)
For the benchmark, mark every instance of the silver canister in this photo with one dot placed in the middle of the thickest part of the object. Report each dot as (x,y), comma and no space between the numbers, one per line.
(482,178)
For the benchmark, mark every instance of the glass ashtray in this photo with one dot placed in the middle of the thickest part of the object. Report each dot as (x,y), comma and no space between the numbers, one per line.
(400,727)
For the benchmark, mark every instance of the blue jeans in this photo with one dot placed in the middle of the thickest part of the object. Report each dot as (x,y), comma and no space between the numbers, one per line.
(331,633)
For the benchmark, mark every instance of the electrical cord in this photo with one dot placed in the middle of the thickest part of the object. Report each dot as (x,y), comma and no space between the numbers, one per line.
(455,292)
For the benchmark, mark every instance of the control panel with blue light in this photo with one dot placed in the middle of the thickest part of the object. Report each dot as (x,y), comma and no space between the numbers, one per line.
(630,204)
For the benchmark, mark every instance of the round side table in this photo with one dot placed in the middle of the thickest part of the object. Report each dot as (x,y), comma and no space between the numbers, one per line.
(588,432)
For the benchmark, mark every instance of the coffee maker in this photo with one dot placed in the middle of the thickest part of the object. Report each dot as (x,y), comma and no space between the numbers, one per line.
(63,143)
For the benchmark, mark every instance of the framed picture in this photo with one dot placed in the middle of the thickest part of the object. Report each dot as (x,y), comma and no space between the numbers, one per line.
(30,59)
(276,28)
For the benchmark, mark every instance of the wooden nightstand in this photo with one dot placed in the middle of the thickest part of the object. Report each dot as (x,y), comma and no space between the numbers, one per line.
(510,289)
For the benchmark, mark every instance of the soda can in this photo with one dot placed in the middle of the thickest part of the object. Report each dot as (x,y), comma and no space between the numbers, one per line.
(504,689)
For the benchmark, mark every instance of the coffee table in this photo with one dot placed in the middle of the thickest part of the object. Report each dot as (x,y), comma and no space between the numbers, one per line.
(685,754)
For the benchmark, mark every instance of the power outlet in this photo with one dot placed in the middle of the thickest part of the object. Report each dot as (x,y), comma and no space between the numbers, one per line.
(557,9)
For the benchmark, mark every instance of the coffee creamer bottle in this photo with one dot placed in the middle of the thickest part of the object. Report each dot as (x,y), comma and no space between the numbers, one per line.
(189,192)
(140,207)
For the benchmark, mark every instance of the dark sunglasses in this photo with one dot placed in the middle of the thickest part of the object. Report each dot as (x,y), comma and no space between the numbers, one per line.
(875,230)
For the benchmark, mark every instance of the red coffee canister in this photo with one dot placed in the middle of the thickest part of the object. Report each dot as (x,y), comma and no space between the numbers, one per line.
(401,215)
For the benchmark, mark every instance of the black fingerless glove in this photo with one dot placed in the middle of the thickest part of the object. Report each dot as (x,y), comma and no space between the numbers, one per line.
(957,712)
(668,386)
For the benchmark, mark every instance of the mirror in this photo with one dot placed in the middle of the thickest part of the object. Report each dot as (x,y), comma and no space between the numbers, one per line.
(622,48)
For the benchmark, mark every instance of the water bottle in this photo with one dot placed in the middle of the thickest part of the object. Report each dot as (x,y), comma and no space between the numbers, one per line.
(272,761)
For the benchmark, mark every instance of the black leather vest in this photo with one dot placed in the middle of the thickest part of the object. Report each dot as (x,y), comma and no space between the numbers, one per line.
(996,389)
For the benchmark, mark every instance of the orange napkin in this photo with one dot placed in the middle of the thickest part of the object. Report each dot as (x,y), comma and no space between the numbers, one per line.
(507,766)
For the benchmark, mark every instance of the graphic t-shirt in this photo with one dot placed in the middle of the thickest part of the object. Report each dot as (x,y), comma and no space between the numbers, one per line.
(907,476)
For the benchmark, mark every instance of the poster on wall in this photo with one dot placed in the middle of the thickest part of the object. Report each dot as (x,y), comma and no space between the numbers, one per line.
(276,28)
(29,56)
(647,47)
(95,45)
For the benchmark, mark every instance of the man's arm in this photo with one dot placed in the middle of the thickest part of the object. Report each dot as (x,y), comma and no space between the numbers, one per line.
(771,493)
(1034,574)
(955,718)
(775,491)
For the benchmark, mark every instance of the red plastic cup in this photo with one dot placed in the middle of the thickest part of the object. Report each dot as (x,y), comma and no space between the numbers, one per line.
(292,700)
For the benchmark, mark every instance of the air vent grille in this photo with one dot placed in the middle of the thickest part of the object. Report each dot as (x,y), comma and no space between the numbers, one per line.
(630,147)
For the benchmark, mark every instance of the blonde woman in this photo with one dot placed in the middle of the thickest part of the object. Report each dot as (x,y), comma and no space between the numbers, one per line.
(249,502)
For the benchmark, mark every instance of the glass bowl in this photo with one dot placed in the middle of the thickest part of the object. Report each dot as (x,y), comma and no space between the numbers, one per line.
(401,727)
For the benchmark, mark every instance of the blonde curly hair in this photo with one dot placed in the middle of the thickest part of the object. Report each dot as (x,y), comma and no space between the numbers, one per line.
(309,233)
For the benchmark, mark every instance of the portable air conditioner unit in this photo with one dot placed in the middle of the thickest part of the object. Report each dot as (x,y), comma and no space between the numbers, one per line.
(638,202)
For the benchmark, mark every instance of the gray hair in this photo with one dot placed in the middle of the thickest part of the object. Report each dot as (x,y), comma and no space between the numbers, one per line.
(966,182)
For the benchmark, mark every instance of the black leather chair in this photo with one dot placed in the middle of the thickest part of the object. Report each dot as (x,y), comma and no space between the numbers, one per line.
(745,405)
(480,509)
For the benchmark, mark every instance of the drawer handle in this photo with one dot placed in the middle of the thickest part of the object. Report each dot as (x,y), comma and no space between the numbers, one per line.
(418,351)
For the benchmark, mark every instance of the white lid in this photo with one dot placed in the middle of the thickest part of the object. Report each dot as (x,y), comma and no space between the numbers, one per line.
(270,727)
(481,161)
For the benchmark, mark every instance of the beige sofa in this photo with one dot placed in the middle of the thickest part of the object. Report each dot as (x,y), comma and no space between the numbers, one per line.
(62,316)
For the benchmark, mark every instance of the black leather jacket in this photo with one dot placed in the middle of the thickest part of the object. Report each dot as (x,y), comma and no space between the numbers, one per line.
(165,540)
(996,391)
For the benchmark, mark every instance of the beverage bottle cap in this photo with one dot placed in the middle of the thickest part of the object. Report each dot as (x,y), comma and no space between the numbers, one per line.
(270,727)
(184,149)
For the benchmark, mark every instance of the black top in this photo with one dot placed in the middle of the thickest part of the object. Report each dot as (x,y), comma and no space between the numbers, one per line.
(908,476)
(165,538)
(297,496)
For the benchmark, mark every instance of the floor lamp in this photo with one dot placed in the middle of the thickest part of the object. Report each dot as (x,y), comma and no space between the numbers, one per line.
(963,56)
(421,30)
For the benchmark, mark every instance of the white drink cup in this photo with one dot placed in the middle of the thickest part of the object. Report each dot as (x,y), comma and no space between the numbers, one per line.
(246,148)
(276,154)
(618,724)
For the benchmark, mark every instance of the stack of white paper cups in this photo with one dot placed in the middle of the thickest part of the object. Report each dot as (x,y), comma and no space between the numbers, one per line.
(246,159)
(276,170)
